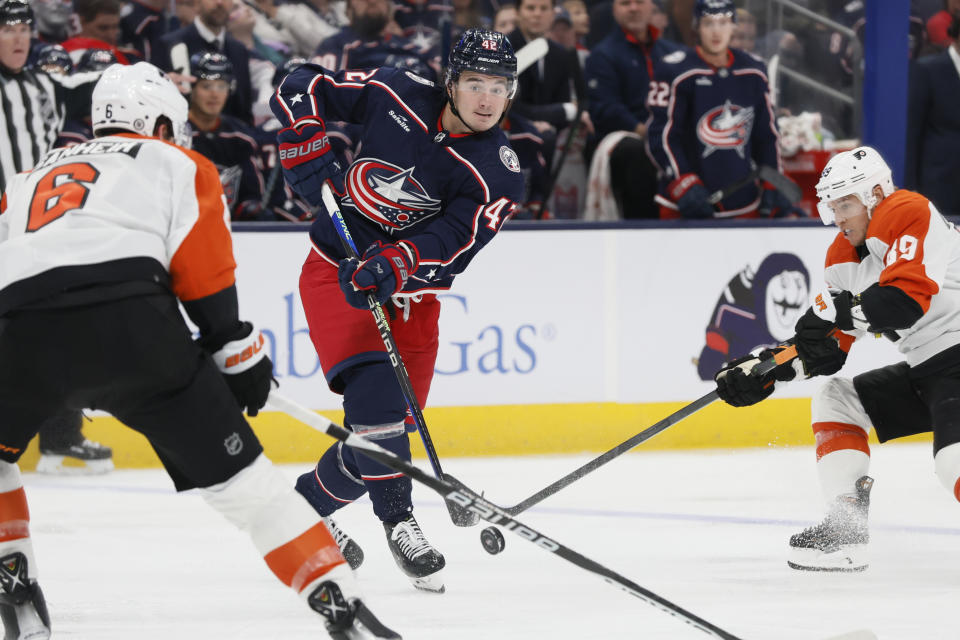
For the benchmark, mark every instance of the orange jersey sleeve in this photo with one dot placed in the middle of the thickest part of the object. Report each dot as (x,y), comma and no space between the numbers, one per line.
(203,264)
(901,222)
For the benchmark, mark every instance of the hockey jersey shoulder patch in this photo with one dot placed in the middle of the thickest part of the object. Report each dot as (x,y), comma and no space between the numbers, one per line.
(675,57)
(419,79)
(509,159)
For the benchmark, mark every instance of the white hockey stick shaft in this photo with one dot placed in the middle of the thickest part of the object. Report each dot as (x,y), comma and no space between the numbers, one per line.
(530,53)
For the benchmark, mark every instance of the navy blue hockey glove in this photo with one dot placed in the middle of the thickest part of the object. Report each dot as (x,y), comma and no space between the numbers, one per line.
(692,198)
(738,387)
(306,157)
(247,369)
(817,346)
(774,204)
(383,272)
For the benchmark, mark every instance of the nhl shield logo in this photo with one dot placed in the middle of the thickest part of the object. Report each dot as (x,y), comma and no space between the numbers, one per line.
(233,444)
(509,159)
(387,194)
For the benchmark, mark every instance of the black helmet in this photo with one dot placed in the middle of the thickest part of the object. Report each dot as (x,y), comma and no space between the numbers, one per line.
(95,60)
(483,51)
(15,12)
(211,66)
(286,69)
(53,58)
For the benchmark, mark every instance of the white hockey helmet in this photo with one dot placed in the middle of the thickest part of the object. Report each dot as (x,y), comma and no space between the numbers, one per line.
(854,172)
(132,97)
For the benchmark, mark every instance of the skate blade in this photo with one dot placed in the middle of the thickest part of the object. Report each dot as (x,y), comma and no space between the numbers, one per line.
(30,626)
(848,558)
(432,583)
(67,466)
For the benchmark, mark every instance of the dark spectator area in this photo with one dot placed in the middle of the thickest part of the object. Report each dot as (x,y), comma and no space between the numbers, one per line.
(638,110)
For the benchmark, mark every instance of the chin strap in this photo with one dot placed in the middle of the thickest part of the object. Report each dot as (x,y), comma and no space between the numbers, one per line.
(448,98)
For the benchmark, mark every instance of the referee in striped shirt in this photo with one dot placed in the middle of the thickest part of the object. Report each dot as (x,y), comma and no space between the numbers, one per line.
(33,104)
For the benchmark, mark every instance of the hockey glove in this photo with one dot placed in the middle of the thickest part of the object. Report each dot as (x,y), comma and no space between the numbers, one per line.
(692,198)
(850,315)
(817,347)
(251,210)
(773,204)
(383,272)
(307,158)
(738,387)
(247,369)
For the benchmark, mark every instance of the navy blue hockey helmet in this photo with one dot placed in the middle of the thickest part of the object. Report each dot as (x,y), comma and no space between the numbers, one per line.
(483,51)
(714,8)
(95,60)
(53,58)
(286,69)
(212,66)
(15,12)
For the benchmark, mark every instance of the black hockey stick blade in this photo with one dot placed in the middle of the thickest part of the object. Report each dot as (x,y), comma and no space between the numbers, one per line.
(787,187)
(491,513)
(460,516)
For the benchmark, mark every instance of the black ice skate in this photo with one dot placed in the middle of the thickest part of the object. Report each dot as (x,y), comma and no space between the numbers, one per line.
(351,551)
(22,607)
(347,620)
(414,555)
(839,543)
(82,457)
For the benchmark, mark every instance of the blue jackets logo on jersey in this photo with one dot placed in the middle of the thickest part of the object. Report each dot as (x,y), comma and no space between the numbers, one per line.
(725,127)
(388,195)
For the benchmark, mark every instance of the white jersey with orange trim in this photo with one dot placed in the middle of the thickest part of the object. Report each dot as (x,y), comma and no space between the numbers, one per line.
(116,208)
(911,246)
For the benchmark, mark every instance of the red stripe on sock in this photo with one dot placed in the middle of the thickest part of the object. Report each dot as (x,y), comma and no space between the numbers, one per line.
(14,515)
(305,558)
(835,436)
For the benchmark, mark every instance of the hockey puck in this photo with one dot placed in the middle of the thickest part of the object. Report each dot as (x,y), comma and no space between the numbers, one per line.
(492,540)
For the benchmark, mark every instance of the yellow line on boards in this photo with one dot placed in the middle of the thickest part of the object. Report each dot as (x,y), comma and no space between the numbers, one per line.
(514,430)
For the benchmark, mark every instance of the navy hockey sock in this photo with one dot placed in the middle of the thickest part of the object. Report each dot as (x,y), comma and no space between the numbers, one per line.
(331,484)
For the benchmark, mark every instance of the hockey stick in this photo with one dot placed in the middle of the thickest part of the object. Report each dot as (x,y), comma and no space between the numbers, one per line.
(530,53)
(555,173)
(790,189)
(758,370)
(468,500)
(460,516)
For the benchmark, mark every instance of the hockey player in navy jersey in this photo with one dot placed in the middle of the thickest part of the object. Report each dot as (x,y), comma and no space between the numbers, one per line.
(712,120)
(226,141)
(434,181)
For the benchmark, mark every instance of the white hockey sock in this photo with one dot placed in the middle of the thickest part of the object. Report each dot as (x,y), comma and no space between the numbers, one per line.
(839,472)
(947,464)
(15,517)
(294,542)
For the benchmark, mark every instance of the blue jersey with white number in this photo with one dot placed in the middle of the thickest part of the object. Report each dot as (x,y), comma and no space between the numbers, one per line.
(446,194)
(712,122)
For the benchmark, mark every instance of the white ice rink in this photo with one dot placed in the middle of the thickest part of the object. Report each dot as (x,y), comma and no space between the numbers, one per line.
(123,556)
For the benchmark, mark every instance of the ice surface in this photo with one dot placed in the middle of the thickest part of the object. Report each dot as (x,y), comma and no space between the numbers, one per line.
(123,556)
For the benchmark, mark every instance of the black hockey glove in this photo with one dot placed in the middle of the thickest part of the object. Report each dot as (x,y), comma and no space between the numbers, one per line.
(247,369)
(738,387)
(817,348)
